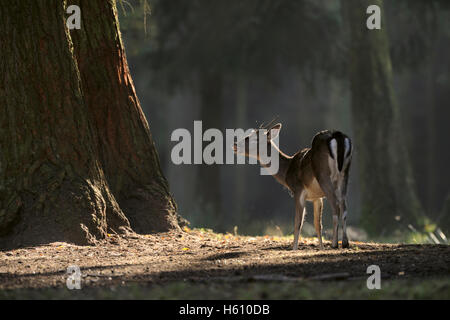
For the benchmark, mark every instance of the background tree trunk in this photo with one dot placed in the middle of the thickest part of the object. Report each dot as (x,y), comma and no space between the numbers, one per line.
(432,137)
(240,181)
(208,180)
(387,188)
(52,187)
(128,154)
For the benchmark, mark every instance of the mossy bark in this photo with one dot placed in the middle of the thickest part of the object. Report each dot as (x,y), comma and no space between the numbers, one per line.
(387,188)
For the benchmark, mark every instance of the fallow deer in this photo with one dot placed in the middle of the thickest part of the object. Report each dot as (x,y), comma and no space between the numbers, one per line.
(310,175)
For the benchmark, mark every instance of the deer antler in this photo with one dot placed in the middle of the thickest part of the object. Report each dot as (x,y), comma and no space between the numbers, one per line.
(261,125)
(270,124)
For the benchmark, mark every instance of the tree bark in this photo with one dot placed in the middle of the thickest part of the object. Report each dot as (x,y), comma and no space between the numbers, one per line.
(52,186)
(387,188)
(128,154)
(63,150)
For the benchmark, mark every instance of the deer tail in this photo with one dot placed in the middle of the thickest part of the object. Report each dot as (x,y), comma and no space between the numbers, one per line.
(340,149)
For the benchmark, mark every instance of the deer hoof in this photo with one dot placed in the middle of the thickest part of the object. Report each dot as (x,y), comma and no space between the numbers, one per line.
(345,244)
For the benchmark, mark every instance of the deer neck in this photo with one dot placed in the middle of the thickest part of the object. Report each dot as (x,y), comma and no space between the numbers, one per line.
(284,162)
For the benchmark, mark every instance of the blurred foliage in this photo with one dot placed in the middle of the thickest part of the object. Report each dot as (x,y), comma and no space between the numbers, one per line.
(412,26)
(253,37)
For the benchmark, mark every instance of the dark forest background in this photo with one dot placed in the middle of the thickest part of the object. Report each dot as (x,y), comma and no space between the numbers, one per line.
(235,64)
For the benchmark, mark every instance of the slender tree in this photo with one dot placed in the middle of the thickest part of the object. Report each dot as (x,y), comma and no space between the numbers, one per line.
(209,182)
(241,121)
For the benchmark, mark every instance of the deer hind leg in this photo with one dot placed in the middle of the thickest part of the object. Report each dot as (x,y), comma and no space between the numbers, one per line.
(328,189)
(300,212)
(334,241)
(318,207)
(331,197)
(343,211)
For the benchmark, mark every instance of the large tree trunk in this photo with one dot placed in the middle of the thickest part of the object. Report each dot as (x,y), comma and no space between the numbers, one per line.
(128,154)
(387,189)
(53,185)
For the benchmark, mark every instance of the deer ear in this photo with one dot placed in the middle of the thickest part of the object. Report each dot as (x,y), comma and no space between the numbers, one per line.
(273,132)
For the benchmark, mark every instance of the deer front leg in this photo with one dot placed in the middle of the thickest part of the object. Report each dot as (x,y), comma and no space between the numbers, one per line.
(300,211)
(318,207)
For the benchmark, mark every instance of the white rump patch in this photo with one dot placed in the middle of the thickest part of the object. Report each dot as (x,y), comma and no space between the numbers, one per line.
(347,145)
(333,147)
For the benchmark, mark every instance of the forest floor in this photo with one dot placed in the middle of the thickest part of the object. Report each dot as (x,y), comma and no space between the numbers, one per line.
(198,264)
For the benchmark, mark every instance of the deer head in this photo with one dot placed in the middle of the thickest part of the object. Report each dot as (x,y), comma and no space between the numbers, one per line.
(251,145)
